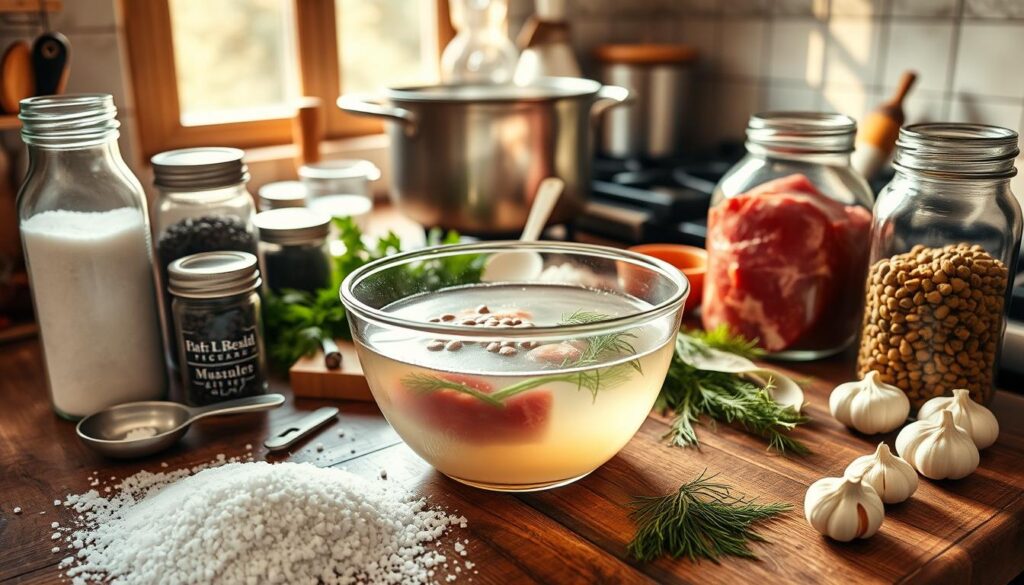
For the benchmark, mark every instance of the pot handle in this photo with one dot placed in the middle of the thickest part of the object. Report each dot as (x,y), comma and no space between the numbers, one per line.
(610,96)
(368,107)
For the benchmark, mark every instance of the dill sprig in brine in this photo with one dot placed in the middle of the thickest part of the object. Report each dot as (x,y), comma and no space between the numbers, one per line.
(703,519)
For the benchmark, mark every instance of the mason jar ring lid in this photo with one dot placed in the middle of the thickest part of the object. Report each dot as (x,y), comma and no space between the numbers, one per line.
(212,275)
(292,226)
(801,132)
(199,169)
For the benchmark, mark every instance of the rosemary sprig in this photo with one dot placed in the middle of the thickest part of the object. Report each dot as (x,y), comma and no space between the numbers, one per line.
(691,393)
(701,520)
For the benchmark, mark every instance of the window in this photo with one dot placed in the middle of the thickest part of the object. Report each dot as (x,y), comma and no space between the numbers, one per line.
(229,71)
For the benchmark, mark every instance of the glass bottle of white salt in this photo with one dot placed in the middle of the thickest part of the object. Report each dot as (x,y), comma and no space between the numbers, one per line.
(85,229)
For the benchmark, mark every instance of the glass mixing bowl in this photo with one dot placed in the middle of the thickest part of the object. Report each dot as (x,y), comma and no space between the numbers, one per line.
(515,366)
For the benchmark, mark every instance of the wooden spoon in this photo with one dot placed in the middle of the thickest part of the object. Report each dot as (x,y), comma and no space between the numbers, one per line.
(18,81)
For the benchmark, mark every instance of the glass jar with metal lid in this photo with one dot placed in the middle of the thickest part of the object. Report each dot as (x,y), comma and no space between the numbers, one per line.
(788,237)
(219,331)
(293,249)
(203,206)
(945,242)
(85,229)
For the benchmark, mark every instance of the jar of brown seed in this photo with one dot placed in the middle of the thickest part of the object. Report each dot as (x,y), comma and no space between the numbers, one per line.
(945,239)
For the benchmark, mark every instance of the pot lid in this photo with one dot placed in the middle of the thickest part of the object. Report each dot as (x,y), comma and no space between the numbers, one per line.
(646,54)
(545,89)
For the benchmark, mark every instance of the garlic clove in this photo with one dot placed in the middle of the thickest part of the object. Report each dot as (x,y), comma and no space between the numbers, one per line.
(937,448)
(843,508)
(978,421)
(869,405)
(894,479)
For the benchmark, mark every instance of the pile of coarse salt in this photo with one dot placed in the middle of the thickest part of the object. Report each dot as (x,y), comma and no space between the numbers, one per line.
(256,522)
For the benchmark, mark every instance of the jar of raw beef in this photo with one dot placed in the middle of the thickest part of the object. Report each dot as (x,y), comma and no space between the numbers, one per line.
(944,248)
(788,237)
(85,231)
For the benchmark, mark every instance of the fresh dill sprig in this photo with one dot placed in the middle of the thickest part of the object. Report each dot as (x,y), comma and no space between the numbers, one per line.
(691,393)
(723,339)
(600,346)
(703,519)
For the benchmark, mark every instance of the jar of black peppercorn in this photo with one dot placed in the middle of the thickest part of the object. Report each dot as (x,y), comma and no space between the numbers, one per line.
(203,206)
(219,333)
(293,246)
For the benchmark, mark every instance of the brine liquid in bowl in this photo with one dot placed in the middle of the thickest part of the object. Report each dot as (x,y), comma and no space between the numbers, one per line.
(524,414)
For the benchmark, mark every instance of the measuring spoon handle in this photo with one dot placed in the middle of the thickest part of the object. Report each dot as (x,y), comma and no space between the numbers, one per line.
(240,405)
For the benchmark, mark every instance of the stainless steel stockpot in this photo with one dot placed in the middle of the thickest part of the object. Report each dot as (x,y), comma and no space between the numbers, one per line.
(470,157)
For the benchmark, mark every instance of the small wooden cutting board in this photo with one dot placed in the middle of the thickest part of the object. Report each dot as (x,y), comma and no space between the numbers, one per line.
(310,378)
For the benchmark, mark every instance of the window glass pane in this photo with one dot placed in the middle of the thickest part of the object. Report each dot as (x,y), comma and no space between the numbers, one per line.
(386,43)
(235,59)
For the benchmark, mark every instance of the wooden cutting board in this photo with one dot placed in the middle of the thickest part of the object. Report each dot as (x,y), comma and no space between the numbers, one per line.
(310,378)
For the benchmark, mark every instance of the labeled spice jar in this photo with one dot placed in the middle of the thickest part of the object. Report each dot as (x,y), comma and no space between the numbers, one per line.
(293,247)
(945,242)
(219,332)
(204,206)
(788,238)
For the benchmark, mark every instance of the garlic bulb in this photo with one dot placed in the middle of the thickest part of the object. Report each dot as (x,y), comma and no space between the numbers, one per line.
(870,405)
(938,448)
(843,508)
(978,421)
(893,478)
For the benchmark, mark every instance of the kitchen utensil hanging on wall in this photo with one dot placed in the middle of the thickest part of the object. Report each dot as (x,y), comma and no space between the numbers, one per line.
(51,56)
(18,80)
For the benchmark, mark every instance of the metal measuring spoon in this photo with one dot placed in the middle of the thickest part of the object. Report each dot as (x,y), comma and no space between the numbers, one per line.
(106,431)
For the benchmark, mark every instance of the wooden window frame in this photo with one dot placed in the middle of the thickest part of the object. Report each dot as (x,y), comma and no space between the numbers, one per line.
(155,84)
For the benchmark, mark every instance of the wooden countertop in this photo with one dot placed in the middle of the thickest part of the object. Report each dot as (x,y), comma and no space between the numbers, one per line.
(968,531)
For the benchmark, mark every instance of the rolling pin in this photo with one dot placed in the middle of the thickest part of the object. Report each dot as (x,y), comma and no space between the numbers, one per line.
(877,135)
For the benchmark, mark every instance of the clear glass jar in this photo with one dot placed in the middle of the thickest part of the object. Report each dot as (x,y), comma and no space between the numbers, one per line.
(85,231)
(204,206)
(219,330)
(294,250)
(944,245)
(481,51)
(787,237)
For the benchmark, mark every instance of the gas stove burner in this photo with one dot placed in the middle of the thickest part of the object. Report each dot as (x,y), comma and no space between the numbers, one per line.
(665,202)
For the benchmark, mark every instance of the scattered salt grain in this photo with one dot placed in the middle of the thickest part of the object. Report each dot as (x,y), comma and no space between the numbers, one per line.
(140,433)
(248,446)
(460,548)
(54,524)
(57,502)
(163,464)
(17,510)
(55,549)
(255,522)
(55,536)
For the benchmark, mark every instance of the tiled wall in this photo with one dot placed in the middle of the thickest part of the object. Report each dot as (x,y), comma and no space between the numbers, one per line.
(98,62)
(842,55)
